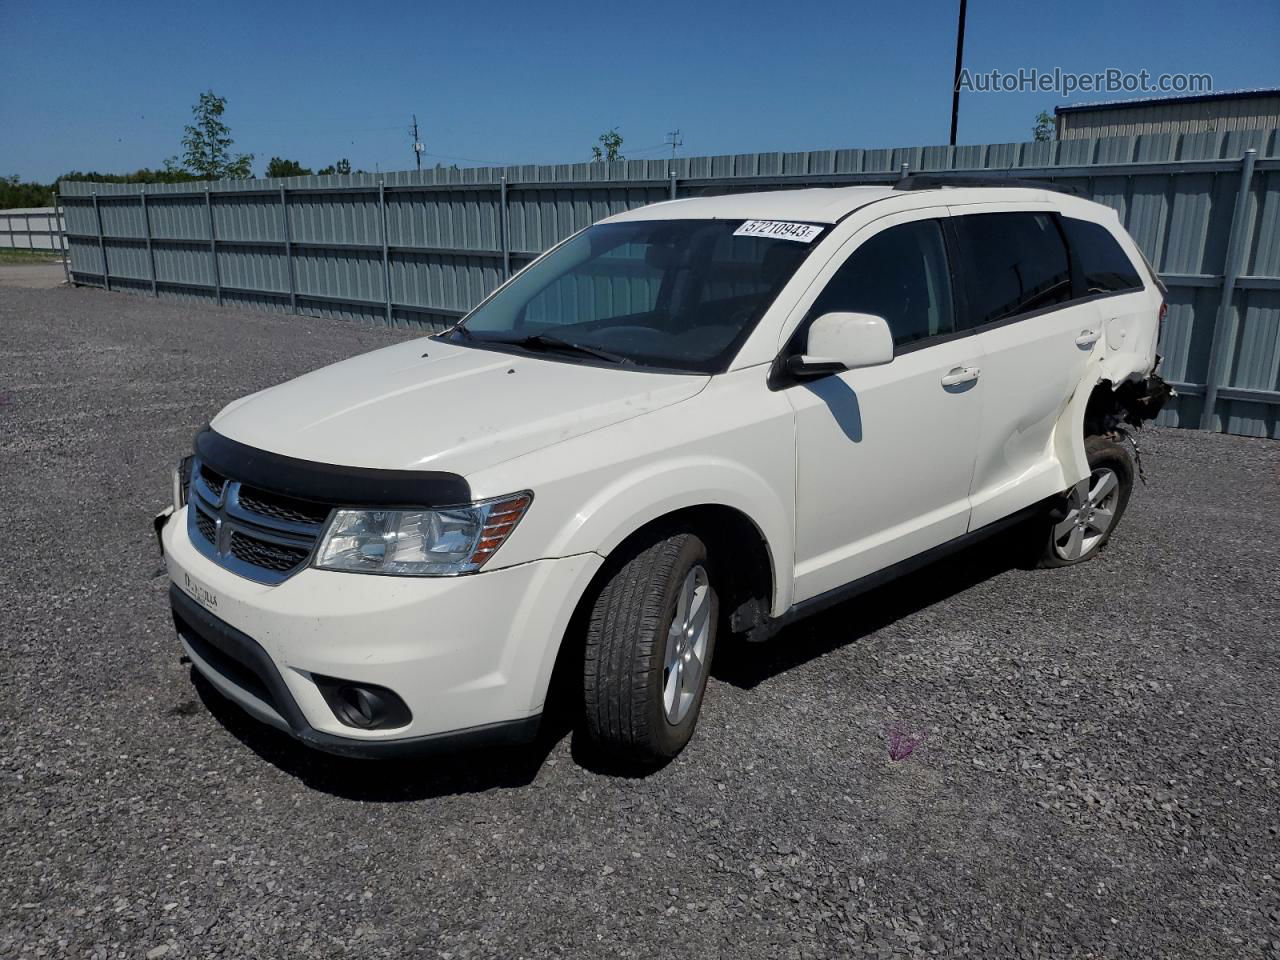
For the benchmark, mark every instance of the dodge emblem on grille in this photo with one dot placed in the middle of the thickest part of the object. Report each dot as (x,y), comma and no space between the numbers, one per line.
(260,535)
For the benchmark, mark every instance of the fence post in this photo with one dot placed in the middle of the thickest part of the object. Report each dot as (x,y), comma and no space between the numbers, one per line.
(146,228)
(31,240)
(504,230)
(102,245)
(213,244)
(288,248)
(63,248)
(1224,327)
(386,258)
(671,193)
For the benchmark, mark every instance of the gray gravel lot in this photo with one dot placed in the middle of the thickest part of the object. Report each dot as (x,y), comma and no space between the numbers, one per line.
(34,275)
(1097,774)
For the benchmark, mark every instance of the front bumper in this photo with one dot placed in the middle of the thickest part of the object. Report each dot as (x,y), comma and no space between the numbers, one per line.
(470,656)
(242,671)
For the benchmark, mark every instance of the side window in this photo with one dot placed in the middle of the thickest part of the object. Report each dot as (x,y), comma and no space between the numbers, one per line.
(1106,267)
(900,274)
(1013,263)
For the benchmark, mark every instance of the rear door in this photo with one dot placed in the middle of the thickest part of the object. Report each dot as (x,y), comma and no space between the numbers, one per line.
(1129,312)
(1037,339)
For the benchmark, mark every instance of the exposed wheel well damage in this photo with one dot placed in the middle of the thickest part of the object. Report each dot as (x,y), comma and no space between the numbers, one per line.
(1132,403)
(1112,410)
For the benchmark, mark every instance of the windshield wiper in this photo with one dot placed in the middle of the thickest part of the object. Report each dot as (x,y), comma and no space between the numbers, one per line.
(546,341)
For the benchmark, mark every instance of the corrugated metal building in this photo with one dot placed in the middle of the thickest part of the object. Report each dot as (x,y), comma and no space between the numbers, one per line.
(1201,113)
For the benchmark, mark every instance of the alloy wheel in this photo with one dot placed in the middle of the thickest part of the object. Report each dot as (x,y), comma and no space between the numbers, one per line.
(1091,512)
(687,639)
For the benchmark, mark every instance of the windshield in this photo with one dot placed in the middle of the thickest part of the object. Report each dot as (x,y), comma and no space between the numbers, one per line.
(670,294)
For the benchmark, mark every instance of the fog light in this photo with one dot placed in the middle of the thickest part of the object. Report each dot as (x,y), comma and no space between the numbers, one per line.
(363,705)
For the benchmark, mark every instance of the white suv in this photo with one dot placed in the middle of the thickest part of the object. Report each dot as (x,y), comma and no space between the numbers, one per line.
(704,416)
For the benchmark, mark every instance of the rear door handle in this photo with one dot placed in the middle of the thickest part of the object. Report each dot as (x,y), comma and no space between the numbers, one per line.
(960,375)
(1087,338)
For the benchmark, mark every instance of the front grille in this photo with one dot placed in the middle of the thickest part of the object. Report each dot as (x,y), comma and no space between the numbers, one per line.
(206,526)
(213,480)
(261,535)
(269,556)
(282,508)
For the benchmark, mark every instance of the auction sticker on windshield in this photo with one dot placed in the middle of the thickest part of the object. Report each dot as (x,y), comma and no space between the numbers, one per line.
(780,229)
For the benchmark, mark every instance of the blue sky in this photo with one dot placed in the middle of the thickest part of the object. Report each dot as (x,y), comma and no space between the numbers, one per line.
(108,86)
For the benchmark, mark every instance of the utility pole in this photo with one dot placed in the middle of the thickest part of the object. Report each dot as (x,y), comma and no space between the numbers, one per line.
(955,82)
(417,143)
(673,138)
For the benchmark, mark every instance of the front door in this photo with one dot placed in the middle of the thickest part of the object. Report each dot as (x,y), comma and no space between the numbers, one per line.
(884,455)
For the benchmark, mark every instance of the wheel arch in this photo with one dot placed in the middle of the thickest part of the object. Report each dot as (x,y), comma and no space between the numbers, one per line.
(1093,393)
(727,531)
(751,583)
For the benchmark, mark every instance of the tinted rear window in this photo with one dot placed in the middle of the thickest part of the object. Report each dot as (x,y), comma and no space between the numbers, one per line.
(1014,263)
(1103,262)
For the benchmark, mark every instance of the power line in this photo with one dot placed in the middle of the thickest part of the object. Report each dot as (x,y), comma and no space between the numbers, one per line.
(649,149)
(495,163)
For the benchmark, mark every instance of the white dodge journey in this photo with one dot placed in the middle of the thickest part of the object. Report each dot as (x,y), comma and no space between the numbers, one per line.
(703,417)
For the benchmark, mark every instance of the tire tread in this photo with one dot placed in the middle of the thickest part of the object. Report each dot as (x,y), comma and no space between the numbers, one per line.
(618,660)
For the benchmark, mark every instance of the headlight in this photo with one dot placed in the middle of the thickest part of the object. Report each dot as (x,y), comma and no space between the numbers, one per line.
(181,482)
(420,543)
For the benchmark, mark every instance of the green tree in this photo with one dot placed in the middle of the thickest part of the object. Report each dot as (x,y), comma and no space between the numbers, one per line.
(342,167)
(611,140)
(279,167)
(1044,128)
(207,143)
(145,175)
(16,193)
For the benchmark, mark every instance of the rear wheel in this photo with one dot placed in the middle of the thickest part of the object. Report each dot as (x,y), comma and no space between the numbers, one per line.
(649,644)
(1083,523)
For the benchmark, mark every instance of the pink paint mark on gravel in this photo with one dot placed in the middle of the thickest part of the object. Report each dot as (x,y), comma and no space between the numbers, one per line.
(902,742)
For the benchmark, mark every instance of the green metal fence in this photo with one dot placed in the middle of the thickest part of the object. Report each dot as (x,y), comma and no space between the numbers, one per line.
(422,248)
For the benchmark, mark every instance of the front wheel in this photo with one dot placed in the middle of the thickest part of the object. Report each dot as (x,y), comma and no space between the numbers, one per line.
(1083,523)
(649,643)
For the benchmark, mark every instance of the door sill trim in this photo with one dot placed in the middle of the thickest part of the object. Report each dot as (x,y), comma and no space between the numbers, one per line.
(836,595)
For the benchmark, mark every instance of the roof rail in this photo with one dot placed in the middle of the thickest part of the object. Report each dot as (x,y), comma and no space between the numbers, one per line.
(932,181)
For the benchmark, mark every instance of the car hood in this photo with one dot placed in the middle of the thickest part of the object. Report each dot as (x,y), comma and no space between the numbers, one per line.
(431,405)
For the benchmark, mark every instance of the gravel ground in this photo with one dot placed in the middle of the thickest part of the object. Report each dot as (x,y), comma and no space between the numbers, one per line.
(34,274)
(1090,762)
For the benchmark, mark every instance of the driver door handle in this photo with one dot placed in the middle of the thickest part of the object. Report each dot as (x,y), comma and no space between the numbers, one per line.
(1087,338)
(959,375)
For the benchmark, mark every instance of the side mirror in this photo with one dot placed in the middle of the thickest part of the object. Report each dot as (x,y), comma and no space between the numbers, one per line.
(844,341)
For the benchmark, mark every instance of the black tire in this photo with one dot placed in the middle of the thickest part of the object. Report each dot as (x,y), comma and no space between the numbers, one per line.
(1104,454)
(625,653)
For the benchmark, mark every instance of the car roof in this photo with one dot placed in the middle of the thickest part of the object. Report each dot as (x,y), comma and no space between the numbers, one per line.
(820,204)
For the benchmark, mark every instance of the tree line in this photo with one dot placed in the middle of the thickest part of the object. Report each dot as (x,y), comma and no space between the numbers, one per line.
(207,154)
